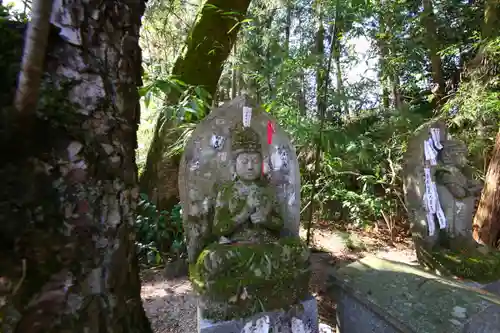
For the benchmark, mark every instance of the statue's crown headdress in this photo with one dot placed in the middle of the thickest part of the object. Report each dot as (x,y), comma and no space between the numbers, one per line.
(245,139)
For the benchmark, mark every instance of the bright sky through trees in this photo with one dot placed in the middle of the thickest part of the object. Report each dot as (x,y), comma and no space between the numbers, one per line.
(360,46)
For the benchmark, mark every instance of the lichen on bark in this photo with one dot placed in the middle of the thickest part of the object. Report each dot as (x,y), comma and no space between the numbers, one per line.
(69,185)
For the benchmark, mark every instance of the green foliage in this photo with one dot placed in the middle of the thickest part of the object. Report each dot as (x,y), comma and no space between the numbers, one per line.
(191,107)
(160,235)
(474,109)
(363,141)
(11,44)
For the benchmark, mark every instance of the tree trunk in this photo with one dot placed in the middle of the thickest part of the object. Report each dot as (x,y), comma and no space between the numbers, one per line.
(209,45)
(432,41)
(33,58)
(396,93)
(201,64)
(69,189)
(302,103)
(288,25)
(338,31)
(234,75)
(490,29)
(383,49)
(486,224)
(320,60)
(491,19)
(319,140)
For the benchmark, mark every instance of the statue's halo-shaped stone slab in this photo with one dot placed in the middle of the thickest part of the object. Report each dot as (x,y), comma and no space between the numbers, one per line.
(210,150)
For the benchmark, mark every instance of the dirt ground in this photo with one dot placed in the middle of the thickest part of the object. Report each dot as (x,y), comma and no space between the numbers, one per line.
(171,303)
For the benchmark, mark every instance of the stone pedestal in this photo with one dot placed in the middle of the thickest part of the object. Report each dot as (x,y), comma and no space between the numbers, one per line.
(379,296)
(304,320)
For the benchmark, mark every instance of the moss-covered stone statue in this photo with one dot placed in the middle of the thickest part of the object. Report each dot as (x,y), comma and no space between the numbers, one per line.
(240,190)
(441,196)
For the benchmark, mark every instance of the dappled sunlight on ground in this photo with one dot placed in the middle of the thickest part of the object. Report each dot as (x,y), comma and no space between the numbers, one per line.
(171,303)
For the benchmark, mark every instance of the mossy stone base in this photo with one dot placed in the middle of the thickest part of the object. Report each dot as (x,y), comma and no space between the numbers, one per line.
(306,313)
(471,265)
(467,262)
(377,295)
(238,281)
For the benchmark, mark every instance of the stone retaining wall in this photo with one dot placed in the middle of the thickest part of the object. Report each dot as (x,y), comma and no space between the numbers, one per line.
(376,295)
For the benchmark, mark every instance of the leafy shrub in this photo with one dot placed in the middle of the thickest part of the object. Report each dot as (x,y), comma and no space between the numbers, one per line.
(160,236)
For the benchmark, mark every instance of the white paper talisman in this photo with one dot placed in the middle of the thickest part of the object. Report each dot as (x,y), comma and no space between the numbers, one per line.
(430,199)
(430,152)
(247,116)
(430,224)
(440,216)
(436,138)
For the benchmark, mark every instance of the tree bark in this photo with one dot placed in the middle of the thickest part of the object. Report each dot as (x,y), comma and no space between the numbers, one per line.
(486,226)
(69,189)
(201,64)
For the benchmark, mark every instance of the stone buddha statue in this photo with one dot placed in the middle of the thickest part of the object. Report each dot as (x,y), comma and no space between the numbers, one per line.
(245,209)
(239,262)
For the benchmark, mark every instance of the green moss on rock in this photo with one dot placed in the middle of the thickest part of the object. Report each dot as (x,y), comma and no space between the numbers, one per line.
(237,281)
(471,265)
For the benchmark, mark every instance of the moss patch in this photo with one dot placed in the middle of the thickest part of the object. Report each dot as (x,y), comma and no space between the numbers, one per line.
(472,265)
(238,281)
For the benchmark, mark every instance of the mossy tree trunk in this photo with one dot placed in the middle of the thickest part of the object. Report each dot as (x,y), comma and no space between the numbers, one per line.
(69,188)
(208,47)
(486,225)
(487,219)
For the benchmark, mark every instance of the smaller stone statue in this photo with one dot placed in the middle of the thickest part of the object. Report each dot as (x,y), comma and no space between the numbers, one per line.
(445,178)
(241,223)
(458,192)
(453,172)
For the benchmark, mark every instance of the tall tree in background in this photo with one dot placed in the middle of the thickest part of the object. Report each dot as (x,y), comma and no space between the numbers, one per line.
(338,31)
(433,45)
(208,47)
(69,188)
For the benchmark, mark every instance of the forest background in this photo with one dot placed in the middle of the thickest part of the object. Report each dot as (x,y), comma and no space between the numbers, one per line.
(350,81)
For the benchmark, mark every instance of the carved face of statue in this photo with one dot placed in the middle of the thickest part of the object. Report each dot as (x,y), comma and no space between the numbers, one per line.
(454,153)
(248,165)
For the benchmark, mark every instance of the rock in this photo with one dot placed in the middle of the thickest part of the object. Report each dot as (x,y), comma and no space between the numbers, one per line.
(440,194)
(375,295)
